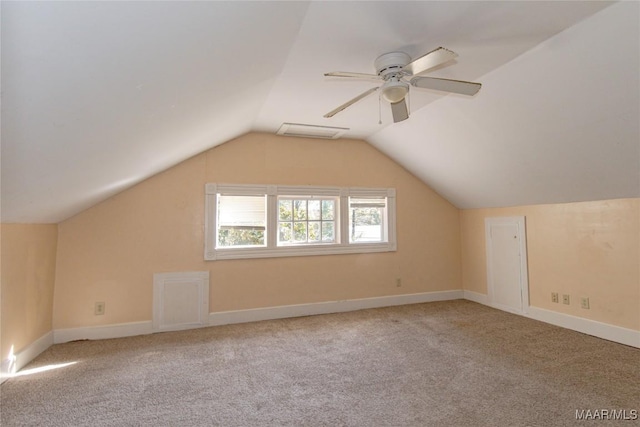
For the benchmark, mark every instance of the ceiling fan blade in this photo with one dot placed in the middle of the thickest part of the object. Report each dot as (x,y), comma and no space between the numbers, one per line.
(446,85)
(353,75)
(351,102)
(429,60)
(399,111)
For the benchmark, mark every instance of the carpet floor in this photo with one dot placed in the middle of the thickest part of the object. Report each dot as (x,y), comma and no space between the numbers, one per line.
(454,363)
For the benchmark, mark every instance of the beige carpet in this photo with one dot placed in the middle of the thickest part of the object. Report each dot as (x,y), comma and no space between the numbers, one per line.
(451,363)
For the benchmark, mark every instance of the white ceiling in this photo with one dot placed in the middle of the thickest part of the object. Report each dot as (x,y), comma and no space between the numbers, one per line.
(97,96)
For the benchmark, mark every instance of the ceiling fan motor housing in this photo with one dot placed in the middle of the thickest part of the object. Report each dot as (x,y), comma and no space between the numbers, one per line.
(391,63)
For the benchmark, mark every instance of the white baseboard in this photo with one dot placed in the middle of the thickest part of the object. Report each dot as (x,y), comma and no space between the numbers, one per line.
(586,326)
(590,327)
(17,361)
(8,367)
(476,297)
(253,315)
(102,332)
(285,311)
(606,331)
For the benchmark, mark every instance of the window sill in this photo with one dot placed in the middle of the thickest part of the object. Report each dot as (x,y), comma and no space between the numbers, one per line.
(293,251)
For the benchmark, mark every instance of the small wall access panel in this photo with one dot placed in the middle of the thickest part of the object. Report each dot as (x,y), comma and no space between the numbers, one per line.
(180,300)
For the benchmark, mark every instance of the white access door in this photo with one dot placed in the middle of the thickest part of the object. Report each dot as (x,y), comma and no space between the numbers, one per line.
(507,282)
(180,300)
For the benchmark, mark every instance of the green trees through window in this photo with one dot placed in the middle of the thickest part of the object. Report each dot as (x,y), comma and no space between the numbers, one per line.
(306,220)
(260,221)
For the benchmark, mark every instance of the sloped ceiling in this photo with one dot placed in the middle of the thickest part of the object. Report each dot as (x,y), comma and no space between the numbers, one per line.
(97,96)
(560,123)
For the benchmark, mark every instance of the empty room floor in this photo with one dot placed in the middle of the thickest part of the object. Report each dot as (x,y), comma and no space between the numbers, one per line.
(453,363)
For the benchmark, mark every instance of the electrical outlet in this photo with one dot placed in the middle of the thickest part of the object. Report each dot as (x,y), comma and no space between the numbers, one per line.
(584,303)
(99,309)
(398,282)
(554,297)
(565,299)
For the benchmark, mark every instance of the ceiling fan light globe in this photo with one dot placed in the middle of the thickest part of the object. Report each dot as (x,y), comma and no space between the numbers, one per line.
(395,91)
(394,94)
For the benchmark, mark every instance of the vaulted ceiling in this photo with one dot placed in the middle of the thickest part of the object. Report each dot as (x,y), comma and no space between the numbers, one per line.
(97,96)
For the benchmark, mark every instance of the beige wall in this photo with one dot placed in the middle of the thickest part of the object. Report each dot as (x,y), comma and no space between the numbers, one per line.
(110,252)
(589,249)
(28,272)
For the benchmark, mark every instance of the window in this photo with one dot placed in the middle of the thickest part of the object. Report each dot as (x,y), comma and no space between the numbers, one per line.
(367,219)
(242,221)
(258,221)
(306,220)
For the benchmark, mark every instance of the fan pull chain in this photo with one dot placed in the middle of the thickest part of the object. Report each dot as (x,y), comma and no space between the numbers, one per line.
(379,109)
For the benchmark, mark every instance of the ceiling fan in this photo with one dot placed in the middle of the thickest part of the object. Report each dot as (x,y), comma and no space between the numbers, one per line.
(398,71)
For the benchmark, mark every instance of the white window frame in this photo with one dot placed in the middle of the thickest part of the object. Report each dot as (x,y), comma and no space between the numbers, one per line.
(307,198)
(342,246)
(385,223)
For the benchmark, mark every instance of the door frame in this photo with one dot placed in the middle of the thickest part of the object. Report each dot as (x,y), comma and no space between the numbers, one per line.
(524,272)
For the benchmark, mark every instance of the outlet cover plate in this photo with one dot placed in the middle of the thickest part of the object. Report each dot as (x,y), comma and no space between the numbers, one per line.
(99,308)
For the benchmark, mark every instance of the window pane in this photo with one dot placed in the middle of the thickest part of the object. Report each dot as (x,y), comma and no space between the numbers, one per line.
(285,209)
(366,220)
(300,209)
(241,220)
(300,231)
(314,209)
(310,220)
(328,209)
(314,229)
(240,237)
(285,232)
(328,234)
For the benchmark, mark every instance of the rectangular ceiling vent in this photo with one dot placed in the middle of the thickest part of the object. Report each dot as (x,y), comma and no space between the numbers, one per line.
(311,131)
